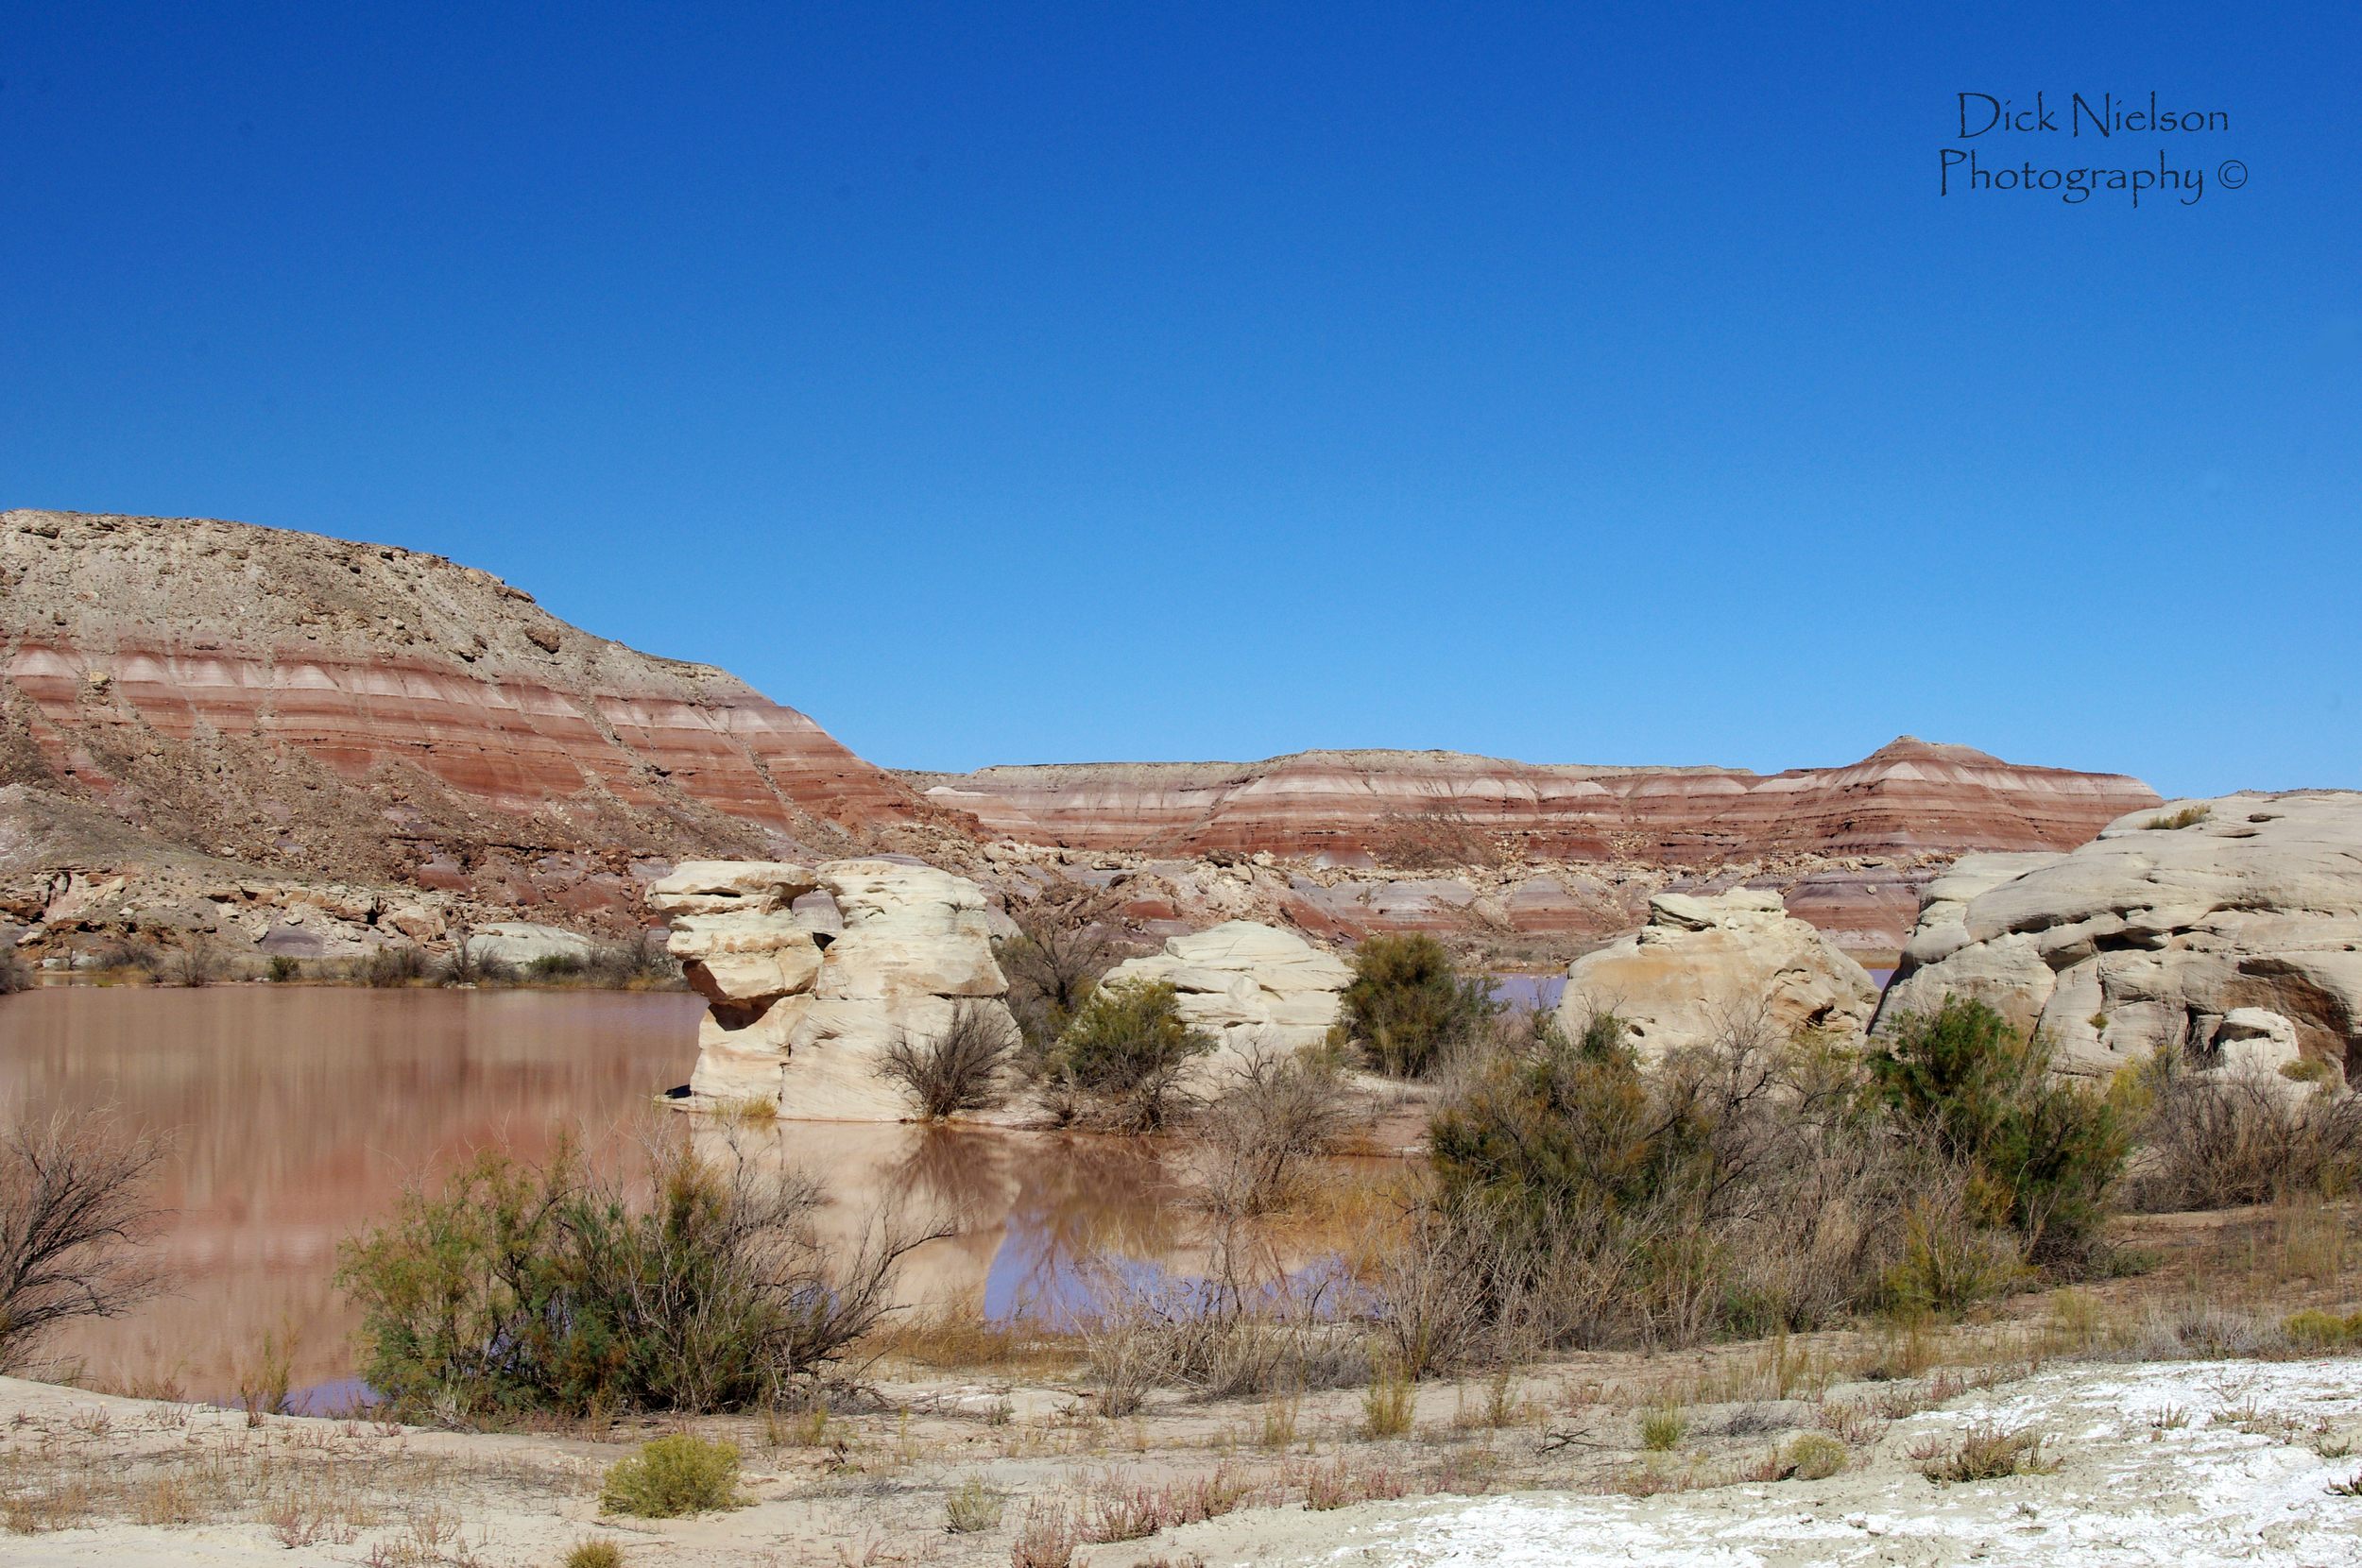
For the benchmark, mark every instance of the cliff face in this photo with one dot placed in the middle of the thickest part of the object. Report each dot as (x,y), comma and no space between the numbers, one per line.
(1907,799)
(1850,847)
(317,707)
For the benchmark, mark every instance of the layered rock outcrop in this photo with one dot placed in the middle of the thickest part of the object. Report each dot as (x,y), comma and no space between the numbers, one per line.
(804,996)
(1861,830)
(1252,986)
(315,706)
(1909,796)
(2194,925)
(1704,966)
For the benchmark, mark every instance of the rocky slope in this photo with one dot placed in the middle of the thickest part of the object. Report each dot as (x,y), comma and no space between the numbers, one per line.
(318,709)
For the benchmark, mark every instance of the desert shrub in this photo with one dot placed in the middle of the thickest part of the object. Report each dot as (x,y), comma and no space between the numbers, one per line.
(1748,1187)
(1232,1332)
(396,963)
(2043,1152)
(672,1476)
(2314,1329)
(1816,1457)
(15,974)
(1279,1112)
(517,1289)
(1054,963)
(2189,816)
(957,1069)
(2212,1141)
(1983,1453)
(124,953)
(468,963)
(549,967)
(75,1208)
(284,968)
(193,964)
(1126,1050)
(643,965)
(1409,1007)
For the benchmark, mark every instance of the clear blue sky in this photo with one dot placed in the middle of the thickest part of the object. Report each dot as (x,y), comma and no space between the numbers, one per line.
(1015,383)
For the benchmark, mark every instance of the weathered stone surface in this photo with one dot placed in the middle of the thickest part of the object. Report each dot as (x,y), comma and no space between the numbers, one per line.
(2156,936)
(1708,964)
(519,943)
(803,1025)
(908,931)
(728,887)
(1254,986)
(701,936)
(756,979)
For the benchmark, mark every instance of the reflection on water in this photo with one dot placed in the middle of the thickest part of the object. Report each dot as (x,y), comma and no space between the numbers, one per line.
(299,1113)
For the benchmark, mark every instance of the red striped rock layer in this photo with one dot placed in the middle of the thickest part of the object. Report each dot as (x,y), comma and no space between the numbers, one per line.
(360,709)
(1405,807)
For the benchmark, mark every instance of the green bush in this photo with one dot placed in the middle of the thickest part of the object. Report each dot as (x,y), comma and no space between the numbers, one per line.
(1816,1456)
(517,1289)
(1571,1130)
(672,1476)
(284,968)
(2042,1152)
(1409,1007)
(1127,1048)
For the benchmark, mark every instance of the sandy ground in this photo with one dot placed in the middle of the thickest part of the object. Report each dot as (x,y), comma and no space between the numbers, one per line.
(2240,1478)
(2186,1462)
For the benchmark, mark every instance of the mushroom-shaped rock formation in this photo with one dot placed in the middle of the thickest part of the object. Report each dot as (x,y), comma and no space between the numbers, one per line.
(1706,965)
(803,1002)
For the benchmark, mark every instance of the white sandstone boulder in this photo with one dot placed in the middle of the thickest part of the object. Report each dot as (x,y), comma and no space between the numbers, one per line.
(1252,986)
(1708,964)
(2171,923)
(519,943)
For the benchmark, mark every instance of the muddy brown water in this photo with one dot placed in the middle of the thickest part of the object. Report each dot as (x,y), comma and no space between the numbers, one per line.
(299,1114)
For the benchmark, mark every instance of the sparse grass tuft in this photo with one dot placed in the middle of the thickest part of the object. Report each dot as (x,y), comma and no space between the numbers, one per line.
(973,1509)
(1388,1402)
(593,1554)
(1662,1428)
(1983,1453)
(1816,1457)
(672,1476)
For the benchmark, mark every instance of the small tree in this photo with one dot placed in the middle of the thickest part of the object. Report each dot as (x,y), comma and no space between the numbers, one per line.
(73,1209)
(1053,963)
(2041,1151)
(1126,1047)
(1409,1006)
